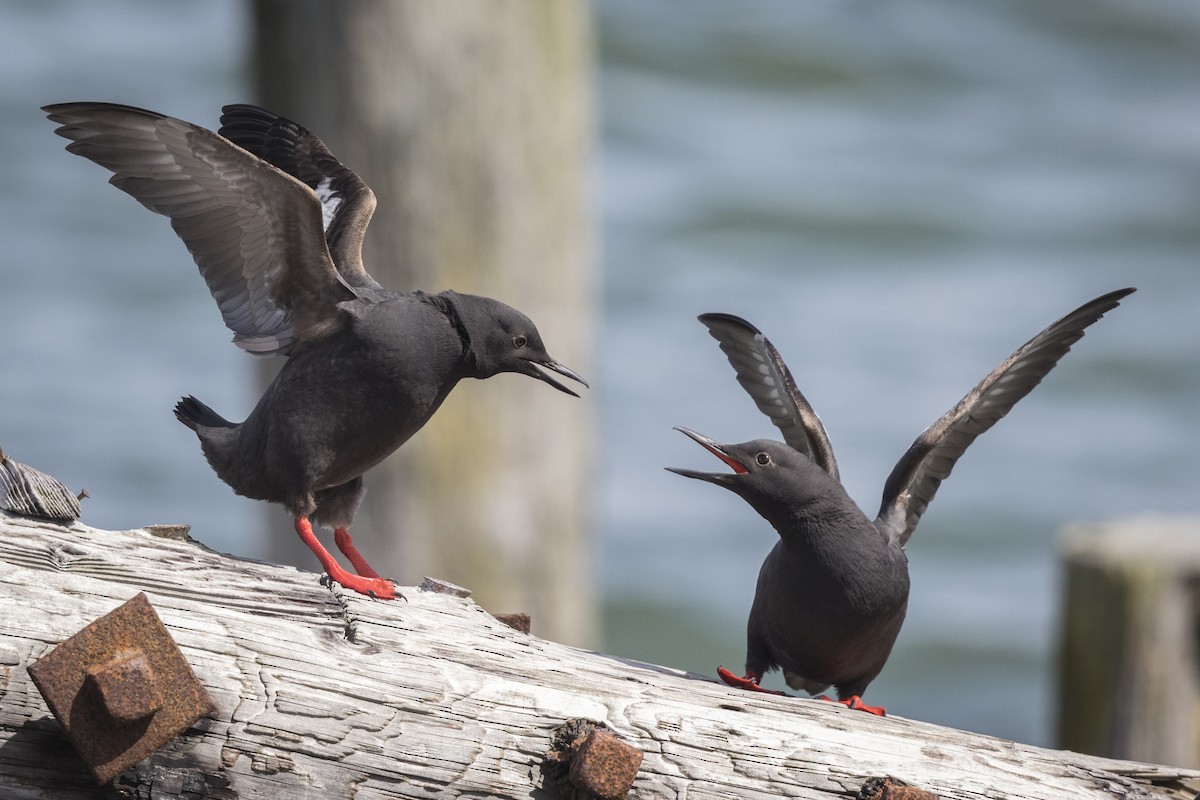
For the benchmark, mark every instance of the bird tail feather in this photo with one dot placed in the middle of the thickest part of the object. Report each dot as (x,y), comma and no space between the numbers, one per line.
(194,414)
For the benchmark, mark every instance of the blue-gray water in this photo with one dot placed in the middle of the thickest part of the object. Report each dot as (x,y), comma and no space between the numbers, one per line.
(898,194)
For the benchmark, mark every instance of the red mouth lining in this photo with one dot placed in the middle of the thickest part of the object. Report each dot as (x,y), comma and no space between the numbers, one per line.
(733,464)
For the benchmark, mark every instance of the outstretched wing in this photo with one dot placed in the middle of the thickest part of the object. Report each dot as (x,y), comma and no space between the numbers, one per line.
(916,477)
(347,203)
(254,231)
(762,373)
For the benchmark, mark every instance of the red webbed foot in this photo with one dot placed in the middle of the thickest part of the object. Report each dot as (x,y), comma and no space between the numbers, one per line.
(749,683)
(855,702)
(376,587)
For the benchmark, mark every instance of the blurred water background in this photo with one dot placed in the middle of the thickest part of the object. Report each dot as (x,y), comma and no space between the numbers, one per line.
(898,194)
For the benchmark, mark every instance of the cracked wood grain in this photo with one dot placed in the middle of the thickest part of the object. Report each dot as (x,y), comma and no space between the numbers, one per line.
(326,694)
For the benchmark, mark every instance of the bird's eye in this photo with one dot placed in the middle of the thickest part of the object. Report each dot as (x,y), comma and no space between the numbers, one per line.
(519,341)
(763,459)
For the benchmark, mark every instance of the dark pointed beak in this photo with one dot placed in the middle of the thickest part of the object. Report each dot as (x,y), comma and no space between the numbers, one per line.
(554,366)
(718,450)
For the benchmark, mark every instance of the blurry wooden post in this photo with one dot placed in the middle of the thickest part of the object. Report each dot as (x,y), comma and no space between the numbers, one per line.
(471,121)
(1129,670)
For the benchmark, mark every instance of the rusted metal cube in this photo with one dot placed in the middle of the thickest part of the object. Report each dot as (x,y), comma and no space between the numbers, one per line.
(126,687)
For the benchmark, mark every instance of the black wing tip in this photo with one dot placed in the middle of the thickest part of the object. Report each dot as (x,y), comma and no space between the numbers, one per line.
(54,110)
(246,108)
(1093,310)
(1111,299)
(1116,297)
(238,111)
(246,119)
(251,117)
(235,109)
(257,117)
(718,318)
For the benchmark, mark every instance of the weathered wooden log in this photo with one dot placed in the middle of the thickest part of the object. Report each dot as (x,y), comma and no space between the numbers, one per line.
(325,694)
(1129,681)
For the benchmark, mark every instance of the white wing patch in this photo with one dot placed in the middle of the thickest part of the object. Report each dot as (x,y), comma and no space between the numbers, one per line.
(331,201)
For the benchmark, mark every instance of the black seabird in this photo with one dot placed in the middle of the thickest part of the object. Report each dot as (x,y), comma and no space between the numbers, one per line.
(275,222)
(832,593)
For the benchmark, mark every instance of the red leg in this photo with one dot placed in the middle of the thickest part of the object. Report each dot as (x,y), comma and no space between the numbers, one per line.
(750,682)
(376,587)
(855,702)
(342,537)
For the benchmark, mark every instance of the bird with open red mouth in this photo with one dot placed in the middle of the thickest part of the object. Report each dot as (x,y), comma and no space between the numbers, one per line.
(833,592)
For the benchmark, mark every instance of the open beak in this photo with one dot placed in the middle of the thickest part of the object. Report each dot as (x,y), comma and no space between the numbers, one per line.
(717,450)
(554,366)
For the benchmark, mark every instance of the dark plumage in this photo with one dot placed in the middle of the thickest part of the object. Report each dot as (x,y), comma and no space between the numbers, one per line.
(832,593)
(276,223)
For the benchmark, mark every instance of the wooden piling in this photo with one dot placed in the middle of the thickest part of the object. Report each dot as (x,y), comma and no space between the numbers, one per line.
(1129,674)
(472,123)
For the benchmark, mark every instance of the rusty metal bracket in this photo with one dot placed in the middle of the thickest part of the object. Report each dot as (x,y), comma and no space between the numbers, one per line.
(519,621)
(120,688)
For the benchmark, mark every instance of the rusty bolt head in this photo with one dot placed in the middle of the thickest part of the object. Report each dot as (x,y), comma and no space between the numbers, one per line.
(605,766)
(126,687)
(892,789)
(588,762)
(101,685)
